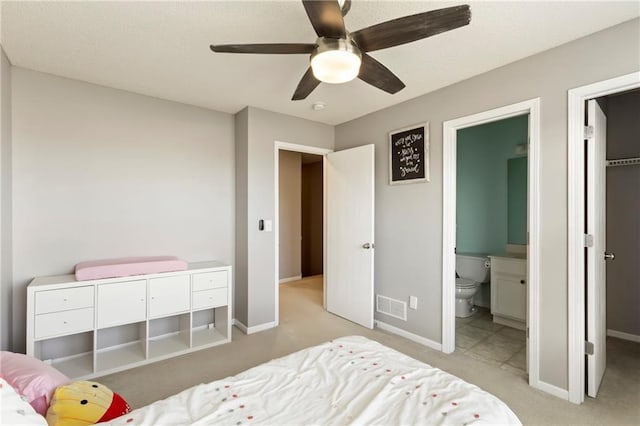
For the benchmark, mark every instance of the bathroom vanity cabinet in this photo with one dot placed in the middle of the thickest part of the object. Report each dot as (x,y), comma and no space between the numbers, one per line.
(509,291)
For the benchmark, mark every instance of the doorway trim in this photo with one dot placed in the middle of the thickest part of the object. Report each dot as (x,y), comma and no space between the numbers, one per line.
(449,132)
(575,221)
(307,149)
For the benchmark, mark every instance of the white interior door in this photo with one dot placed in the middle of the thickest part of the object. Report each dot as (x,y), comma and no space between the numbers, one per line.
(596,226)
(349,223)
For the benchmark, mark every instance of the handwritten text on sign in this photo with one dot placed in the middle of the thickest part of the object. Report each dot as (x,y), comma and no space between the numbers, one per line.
(407,154)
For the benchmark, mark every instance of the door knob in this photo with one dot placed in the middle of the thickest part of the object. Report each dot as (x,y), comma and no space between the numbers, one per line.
(368,246)
(609,256)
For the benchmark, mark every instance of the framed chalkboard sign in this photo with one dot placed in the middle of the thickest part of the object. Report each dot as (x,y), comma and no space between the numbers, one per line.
(409,154)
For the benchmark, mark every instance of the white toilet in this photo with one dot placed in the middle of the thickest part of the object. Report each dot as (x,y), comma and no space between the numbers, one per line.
(473,270)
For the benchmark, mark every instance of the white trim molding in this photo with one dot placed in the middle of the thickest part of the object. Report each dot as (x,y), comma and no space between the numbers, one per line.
(255,329)
(575,221)
(408,335)
(553,390)
(287,146)
(449,135)
(624,336)
(289,279)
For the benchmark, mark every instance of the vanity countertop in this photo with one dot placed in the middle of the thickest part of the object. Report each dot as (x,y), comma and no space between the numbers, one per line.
(510,255)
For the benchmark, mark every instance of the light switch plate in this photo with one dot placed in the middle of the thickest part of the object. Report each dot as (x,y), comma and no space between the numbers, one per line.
(413,302)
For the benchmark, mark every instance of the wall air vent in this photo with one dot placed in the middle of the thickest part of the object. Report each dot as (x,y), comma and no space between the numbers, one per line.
(392,307)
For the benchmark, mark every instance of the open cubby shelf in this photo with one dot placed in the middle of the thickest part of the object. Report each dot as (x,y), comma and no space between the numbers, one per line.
(204,290)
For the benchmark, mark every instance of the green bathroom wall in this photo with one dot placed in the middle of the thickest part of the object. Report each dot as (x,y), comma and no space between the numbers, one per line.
(517,200)
(482,207)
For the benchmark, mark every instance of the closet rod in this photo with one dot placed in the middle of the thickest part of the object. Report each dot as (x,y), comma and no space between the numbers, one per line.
(623,162)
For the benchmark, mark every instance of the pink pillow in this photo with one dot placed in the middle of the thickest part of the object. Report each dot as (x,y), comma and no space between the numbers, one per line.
(31,378)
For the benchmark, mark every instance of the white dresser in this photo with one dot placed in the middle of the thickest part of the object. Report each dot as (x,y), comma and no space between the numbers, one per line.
(509,290)
(92,328)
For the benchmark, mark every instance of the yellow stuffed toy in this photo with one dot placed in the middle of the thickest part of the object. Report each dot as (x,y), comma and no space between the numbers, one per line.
(85,403)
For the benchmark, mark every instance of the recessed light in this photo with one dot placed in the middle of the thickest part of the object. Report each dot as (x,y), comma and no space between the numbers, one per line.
(318,106)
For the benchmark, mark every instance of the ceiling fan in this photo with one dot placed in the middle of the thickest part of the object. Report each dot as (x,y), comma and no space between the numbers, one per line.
(339,56)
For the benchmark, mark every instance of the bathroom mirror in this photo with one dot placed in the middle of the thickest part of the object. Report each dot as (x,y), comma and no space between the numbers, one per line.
(517,200)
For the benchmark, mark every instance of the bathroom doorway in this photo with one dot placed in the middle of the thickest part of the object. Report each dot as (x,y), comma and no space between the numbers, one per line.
(491,246)
(527,284)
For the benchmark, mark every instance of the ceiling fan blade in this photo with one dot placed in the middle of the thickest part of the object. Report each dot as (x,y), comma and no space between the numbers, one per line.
(273,48)
(411,28)
(307,84)
(326,17)
(376,74)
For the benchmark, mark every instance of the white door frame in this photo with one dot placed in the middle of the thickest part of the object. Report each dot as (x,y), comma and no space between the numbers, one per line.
(449,133)
(575,221)
(286,146)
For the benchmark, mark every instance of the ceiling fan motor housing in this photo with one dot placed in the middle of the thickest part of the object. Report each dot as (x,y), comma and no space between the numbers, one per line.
(336,60)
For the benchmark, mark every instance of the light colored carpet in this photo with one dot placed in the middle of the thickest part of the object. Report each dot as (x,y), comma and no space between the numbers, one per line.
(304,323)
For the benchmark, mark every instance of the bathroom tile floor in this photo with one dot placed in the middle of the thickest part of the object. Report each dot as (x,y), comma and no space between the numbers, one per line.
(480,338)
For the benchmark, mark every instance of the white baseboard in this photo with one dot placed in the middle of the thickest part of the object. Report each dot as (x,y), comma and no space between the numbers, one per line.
(286,280)
(240,325)
(407,335)
(624,336)
(551,389)
(255,328)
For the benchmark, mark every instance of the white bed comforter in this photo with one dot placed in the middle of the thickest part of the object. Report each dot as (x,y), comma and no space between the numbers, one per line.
(14,410)
(351,380)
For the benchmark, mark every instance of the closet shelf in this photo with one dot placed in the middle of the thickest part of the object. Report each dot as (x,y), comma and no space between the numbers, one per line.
(623,162)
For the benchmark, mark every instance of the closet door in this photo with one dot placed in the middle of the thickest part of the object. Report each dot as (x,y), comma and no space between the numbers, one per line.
(596,267)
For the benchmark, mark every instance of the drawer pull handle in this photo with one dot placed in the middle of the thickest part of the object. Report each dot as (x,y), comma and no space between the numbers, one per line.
(65,300)
(522,281)
(64,322)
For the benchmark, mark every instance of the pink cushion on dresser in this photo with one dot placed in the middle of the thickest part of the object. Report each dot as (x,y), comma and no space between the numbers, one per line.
(127,266)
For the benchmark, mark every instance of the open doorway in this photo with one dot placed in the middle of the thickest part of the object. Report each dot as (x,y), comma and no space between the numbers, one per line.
(530,108)
(348,230)
(587,223)
(491,243)
(612,220)
(294,152)
(300,231)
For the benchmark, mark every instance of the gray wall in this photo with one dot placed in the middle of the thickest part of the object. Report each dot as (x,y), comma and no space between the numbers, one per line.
(6,249)
(409,216)
(241,175)
(623,214)
(312,219)
(264,128)
(102,173)
(290,211)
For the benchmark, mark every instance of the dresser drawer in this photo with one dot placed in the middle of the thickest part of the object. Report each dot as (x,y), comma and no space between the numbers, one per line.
(62,323)
(209,298)
(209,280)
(63,299)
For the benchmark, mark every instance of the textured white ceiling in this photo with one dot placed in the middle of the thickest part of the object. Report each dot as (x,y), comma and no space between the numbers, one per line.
(161,49)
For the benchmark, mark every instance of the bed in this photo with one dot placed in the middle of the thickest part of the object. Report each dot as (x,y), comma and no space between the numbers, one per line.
(351,380)
(15,410)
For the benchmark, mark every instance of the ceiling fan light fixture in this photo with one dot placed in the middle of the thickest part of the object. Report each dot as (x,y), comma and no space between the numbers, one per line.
(336,61)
